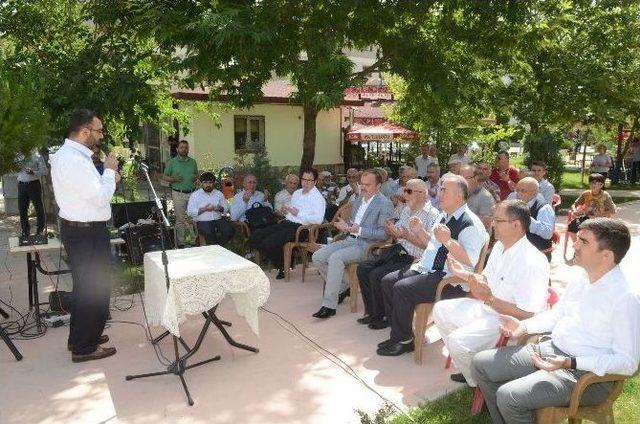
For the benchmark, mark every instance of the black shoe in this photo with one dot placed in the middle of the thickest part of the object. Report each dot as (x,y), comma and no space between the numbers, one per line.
(102,340)
(366,319)
(280,275)
(396,349)
(378,324)
(458,378)
(343,295)
(325,312)
(386,343)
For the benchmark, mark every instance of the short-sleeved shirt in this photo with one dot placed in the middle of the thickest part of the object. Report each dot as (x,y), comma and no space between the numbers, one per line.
(428,216)
(598,205)
(185,167)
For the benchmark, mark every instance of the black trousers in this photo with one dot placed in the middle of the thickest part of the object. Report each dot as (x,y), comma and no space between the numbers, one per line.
(370,277)
(270,240)
(89,254)
(405,288)
(218,231)
(30,193)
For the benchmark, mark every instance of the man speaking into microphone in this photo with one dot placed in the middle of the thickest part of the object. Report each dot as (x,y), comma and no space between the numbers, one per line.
(84,197)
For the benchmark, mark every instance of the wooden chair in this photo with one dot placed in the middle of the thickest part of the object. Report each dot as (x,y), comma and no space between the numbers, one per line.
(297,243)
(602,413)
(423,310)
(354,284)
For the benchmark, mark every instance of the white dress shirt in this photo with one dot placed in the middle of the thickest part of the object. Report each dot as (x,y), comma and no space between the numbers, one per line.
(423,163)
(283,197)
(81,192)
(200,198)
(518,275)
(598,323)
(310,205)
(239,206)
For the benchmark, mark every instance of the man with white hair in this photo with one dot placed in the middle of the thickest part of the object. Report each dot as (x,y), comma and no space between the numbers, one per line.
(543,219)
(349,192)
(283,197)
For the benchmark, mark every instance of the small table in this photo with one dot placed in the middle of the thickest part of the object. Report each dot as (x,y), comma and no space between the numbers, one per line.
(34,264)
(199,278)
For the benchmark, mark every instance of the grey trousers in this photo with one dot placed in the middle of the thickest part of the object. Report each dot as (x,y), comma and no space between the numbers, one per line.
(332,260)
(514,388)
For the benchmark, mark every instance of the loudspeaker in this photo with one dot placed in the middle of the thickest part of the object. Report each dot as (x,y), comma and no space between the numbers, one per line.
(140,239)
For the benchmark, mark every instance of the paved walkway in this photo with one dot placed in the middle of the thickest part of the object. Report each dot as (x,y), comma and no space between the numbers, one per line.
(613,193)
(291,380)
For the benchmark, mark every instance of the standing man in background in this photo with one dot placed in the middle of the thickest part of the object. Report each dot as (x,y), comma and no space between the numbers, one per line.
(423,161)
(84,197)
(181,172)
(30,191)
(504,174)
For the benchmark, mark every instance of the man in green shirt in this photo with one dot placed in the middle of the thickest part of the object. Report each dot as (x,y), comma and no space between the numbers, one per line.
(181,172)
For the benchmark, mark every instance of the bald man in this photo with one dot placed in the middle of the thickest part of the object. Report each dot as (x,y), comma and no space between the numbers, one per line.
(543,219)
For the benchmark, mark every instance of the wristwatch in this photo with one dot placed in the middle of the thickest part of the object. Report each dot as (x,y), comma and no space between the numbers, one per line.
(489,301)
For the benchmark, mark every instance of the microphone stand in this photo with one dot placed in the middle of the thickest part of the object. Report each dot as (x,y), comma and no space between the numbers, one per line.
(179,365)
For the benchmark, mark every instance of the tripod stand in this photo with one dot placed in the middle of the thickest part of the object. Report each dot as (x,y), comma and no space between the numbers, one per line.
(5,337)
(179,365)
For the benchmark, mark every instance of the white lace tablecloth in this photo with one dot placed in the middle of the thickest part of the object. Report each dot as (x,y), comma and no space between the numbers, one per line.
(200,277)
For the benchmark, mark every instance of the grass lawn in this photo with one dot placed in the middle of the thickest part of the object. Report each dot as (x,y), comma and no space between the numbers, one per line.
(456,407)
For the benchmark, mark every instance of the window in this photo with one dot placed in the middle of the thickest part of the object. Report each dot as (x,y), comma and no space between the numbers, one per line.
(249,133)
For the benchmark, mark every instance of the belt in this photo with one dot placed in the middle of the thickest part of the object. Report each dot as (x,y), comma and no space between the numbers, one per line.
(79,224)
(183,191)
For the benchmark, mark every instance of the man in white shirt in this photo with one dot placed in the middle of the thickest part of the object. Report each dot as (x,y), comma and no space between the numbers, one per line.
(246,198)
(206,206)
(366,225)
(283,197)
(459,232)
(595,327)
(424,160)
(307,207)
(349,192)
(514,282)
(84,197)
(460,156)
(30,191)
(546,189)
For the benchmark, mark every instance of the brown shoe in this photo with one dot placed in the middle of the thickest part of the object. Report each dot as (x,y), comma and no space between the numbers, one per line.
(102,340)
(100,352)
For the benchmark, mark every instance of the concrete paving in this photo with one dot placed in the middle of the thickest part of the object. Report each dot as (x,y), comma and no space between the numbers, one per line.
(294,379)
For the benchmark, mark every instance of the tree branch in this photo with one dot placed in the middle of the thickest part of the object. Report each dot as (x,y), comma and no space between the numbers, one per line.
(367,70)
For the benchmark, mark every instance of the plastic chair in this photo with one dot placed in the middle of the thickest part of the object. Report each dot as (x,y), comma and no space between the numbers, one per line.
(423,310)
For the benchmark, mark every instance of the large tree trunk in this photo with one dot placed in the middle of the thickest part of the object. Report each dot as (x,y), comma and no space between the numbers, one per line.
(309,137)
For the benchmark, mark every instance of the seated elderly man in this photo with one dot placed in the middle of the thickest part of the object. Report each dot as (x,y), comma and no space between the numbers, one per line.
(418,214)
(546,189)
(543,218)
(398,199)
(480,201)
(349,192)
(283,197)
(206,206)
(514,282)
(367,224)
(460,233)
(595,327)
(246,198)
(307,206)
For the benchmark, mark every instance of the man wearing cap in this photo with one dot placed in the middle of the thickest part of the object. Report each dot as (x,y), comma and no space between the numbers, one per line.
(206,206)
(181,172)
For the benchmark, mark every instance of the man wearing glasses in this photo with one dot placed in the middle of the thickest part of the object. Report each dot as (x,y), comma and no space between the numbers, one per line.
(418,214)
(514,283)
(84,198)
(543,218)
(307,207)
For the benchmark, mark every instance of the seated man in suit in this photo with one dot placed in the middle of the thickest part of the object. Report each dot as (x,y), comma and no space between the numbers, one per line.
(206,206)
(595,327)
(543,218)
(367,224)
(245,198)
(514,282)
(459,233)
(307,206)
(418,213)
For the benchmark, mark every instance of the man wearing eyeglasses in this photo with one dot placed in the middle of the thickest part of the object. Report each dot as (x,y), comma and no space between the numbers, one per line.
(84,197)
(307,207)
(514,283)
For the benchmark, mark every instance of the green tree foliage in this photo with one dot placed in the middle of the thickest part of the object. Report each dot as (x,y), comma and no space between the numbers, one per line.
(87,63)
(24,121)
